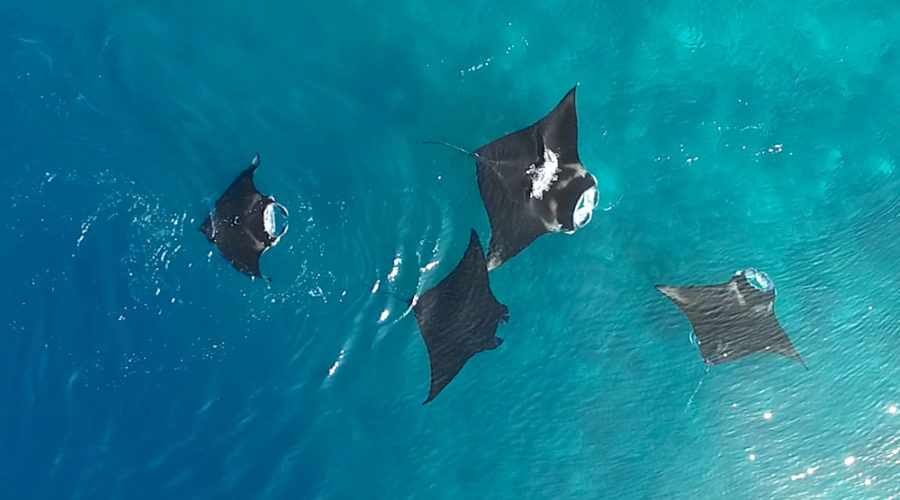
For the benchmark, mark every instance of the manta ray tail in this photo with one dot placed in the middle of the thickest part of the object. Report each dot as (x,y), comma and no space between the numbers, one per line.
(451,146)
(691,400)
(409,302)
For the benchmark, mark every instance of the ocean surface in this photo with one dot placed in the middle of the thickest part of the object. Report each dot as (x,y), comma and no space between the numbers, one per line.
(137,364)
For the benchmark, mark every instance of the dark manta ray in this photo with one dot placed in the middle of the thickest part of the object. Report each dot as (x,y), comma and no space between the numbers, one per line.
(532,183)
(458,317)
(242,225)
(733,320)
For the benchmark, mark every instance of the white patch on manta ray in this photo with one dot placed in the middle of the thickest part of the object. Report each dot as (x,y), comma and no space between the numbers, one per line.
(544,176)
(740,296)
(269,219)
(269,223)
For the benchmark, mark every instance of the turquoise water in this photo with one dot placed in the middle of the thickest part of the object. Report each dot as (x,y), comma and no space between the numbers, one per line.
(138,364)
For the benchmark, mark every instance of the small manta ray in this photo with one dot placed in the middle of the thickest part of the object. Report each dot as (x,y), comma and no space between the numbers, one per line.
(242,225)
(532,183)
(733,320)
(458,317)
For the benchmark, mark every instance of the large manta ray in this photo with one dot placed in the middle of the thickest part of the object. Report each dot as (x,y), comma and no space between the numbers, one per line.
(458,317)
(532,182)
(735,319)
(242,225)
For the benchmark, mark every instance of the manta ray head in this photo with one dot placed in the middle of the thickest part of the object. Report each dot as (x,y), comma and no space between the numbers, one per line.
(584,208)
(758,279)
(270,224)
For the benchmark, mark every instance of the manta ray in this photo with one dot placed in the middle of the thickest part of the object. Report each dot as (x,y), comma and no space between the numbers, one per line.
(458,318)
(532,182)
(734,319)
(242,225)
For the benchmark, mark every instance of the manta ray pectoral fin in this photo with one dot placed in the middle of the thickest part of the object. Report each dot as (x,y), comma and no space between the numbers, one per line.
(671,292)
(442,376)
(791,353)
(681,295)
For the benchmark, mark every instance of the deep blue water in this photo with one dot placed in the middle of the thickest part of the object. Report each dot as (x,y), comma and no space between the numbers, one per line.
(136,363)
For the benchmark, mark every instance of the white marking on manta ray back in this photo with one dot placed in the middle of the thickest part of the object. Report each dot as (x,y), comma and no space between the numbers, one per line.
(553,226)
(762,308)
(733,287)
(544,176)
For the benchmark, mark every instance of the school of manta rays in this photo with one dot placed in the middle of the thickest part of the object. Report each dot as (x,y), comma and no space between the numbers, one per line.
(532,183)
